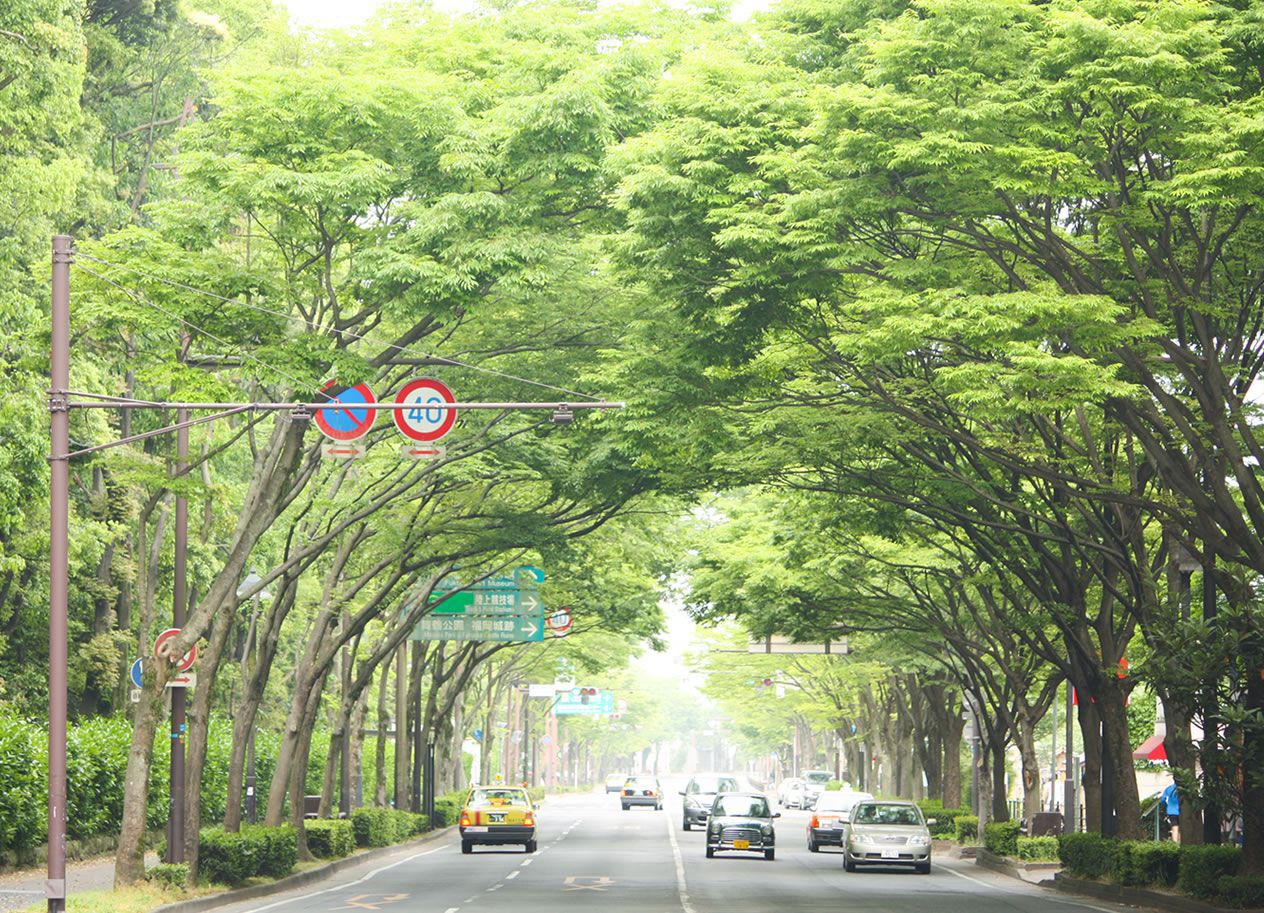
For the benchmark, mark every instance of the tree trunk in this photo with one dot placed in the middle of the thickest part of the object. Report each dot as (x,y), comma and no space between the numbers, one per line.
(401,726)
(379,756)
(1115,732)
(1025,730)
(953,732)
(1000,795)
(1091,739)
(1252,862)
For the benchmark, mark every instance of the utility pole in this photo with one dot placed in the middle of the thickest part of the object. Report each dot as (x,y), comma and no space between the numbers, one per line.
(59,572)
(179,614)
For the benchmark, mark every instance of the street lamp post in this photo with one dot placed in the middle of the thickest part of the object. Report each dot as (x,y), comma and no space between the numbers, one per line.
(249,586)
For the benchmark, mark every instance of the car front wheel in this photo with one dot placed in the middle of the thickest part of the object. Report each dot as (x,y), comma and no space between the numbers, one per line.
(848,864)
(923,868)
(685,825)
(770,855)
(710,853)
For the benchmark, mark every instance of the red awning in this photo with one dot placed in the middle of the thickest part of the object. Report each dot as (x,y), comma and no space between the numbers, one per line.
(1151,750)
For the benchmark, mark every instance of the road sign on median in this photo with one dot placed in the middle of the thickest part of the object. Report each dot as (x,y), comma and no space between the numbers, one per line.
(491,602)
(486,628)
(573,703)
(526,577)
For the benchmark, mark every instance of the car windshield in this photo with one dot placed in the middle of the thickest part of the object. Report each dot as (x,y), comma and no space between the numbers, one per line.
(711,785)
(742,806)
(483,798)
(880,813)
(794,784)
(817,776)
(641,783)
(838,802)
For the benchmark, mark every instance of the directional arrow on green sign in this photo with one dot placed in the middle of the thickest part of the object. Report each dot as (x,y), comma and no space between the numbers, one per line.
(490,602)
(485,628)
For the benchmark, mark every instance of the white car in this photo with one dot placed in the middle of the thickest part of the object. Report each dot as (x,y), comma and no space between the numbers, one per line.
(793,792)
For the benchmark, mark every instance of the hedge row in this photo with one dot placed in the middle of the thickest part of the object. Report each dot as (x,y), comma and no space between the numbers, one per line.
(1038,849)
(945,818)
(256,850)
(330,838)
(384,826)
(1205,872)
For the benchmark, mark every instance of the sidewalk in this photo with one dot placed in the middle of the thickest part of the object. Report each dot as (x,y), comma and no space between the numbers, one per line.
(19,890)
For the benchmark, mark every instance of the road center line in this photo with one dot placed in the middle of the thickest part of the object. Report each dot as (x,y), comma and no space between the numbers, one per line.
(681,887)
(512,875)
(348,884)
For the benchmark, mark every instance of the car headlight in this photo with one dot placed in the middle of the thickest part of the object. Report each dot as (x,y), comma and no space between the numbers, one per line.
(919,841)
(715,828)
(767,829)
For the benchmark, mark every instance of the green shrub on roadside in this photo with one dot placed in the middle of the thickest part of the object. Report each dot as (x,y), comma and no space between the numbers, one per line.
(407,824)
(330,838)
(945,818)
(1239,891)
(1086,855)
(1037,849)
(373,826)
(256,850)
(169,874)
(1142,863)
(448,809)
(1001,837)
(1202,867)
(967,829)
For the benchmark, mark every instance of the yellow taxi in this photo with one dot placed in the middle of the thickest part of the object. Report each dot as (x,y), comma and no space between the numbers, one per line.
(497,815)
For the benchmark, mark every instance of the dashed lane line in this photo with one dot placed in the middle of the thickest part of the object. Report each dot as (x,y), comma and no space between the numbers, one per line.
(984,884)
(681,887)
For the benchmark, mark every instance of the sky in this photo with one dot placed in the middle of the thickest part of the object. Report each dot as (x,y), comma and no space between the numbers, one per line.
(343,13)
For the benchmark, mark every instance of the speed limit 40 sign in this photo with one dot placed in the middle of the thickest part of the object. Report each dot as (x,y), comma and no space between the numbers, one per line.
(421,421)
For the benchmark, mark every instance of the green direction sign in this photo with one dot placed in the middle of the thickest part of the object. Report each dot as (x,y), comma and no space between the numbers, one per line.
(491,602)
(485,628)
(571,703)
(526,577)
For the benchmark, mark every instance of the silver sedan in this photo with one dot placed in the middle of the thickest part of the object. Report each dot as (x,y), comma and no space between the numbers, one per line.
(887,833)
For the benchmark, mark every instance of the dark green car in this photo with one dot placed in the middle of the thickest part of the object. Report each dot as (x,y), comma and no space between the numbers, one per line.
(741,822)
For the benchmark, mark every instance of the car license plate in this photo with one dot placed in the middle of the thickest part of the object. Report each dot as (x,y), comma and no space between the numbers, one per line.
(477,829)
(496,818)
(890,854)
(741,844)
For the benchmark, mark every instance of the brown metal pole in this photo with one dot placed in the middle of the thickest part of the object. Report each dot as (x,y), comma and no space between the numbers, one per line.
(179,613)
(59,573)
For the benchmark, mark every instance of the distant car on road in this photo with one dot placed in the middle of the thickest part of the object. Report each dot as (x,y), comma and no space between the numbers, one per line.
(830,812)
(792,793)
(815,782)
(614,782)
(642,791)
(887,833)
(498,815)
(700,793)
(741,822)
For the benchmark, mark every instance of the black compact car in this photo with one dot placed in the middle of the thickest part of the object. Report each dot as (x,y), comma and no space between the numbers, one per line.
(699,795)
(741,822)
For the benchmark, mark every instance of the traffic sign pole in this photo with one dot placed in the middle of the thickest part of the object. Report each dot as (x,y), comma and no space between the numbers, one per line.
(179,608)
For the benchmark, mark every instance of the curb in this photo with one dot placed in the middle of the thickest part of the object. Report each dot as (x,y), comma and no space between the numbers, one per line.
(1139,897)
(1005,866)
(289,882)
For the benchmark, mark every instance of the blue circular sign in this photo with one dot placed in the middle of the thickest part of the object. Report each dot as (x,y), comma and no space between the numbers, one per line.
(350,423)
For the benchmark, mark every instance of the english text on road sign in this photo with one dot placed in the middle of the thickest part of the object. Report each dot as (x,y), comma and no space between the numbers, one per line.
(526,577)
(491,602)
(186,662)
(422,422)
(346,424)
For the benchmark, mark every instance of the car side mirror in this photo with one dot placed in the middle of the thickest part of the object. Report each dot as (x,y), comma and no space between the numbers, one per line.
(930,821)
(682,792)
(776,814)
(705,813)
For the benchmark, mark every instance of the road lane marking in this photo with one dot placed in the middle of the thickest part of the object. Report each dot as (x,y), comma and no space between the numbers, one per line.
(371,901)
(587,883)
(525,863)
(512,875)
(681,887)
(350,884)
(452,910)
(984,884)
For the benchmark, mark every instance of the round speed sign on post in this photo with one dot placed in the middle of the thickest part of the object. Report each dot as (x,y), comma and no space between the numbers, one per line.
(421,421)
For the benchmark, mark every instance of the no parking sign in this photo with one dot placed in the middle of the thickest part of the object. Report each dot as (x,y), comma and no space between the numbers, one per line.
(351,423)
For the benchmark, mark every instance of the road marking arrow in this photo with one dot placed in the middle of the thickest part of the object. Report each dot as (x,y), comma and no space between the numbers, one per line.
(587,883)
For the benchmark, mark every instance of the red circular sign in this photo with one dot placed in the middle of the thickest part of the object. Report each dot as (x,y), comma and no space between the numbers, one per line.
(560,621)
(421,421)
(186,662)
(348,424)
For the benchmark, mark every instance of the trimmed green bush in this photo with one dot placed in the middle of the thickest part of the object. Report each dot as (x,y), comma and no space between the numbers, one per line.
(967,829)
(1141,863)
(169,874)
(448,809)
(330,838)
(1086,855)
(945,818)
(1202,867)
(257,850)
(1037,849)
(1001,837)
(406,824)
(373,826)
(1240,891)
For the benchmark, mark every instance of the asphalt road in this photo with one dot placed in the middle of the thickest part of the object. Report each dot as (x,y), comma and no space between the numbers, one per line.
(595,858)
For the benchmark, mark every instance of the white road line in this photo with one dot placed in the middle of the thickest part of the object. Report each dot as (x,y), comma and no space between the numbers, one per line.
(495,887)
(348,884)
(681,887)
(526,862)
(512,875)
(984,884)
(451,910)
